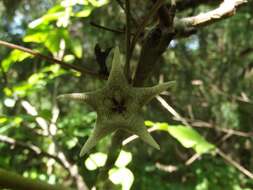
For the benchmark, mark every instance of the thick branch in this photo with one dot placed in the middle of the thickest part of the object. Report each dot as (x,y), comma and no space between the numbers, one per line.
(15,181)
(142,26)
(226,9)
(153,47)
(155,43)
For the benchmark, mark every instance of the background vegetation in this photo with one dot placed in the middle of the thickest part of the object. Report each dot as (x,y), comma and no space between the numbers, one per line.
(212,66)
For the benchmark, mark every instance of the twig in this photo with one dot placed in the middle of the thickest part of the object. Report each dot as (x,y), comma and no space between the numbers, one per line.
(226,9)
(121,4)
(227,158)
(203,124)
(235,164)
(124,9)
(72,168)
(107,28)
(172,110)
(141,28)
(49,129)
(200,124)
(31,147)
(133,137)
(192,159)
(14,181)
(50,59)
(166,168)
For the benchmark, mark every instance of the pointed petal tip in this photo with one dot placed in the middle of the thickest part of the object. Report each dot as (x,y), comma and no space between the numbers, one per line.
(168,84)
(155,145)
(163,86)
(60,97)
(116,49)
(82,152)
(89,144)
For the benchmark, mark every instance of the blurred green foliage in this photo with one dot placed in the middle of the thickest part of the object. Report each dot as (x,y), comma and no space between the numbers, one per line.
(213,70)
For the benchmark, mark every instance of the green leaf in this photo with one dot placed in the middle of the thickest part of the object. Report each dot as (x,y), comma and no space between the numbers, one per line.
(149,123)
(67,3)
(122,176)
(98,3)
(15,56)
(123,159)
(38,37)
(51,38)
(188,137)
(53,14)
(95,161)
(71,142)
(3,120)
(76,47)
(85,12)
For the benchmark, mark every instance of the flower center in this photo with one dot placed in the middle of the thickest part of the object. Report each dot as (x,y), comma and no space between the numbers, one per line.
(118,106)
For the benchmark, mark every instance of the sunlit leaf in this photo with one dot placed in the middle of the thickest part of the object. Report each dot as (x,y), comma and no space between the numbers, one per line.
(84,13)
(67,3)
(15,56)
(149,123)
(35,78)
(123,159)
(122,176)
(51,38)
(38,37)
(9,102)
(69,58)
(96,160)
(98,3)
(71,142)
(76,47)
(52,15)
(3,120)
(188,137)
(7,91)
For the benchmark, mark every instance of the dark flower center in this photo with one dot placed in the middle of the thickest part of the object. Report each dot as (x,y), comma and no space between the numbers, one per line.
(118,105)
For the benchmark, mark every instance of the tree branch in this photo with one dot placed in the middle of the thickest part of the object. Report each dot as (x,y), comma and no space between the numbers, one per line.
(227,158)
(200,124)
(235,164)
(30,147)
(116,31)
(226,9)
(15,181)
(141,28)
(50,59)
(124,9)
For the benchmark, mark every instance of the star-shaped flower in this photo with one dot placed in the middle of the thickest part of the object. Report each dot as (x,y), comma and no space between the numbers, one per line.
(118,106)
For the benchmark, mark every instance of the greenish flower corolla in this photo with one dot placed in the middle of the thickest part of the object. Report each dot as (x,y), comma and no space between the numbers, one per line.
(118,105)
